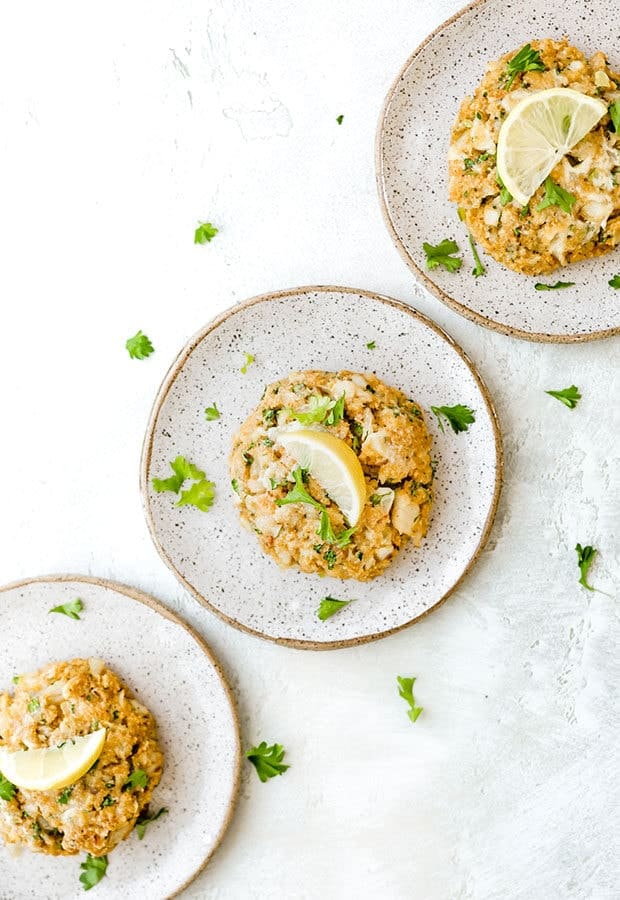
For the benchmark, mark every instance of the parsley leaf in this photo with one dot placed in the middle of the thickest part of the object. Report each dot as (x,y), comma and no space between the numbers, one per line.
(614,282)
(69,609)
(585,558)
(299,494)
(93,870)
(440,255)
(459,417)
(235,485)
(614,113)
(63,797)
(405,690)
(329,606)
(336,412)
(558,286)
(201,494)
(7,789)
(371,345)
(556,196)
(339,119)
(267,760)
(145,819)
(526,60)
(318,408)
(137,779)
(326,532)
(34,705)
(205,233)
(212,413)
(139,346)
(570,396)
(183,469)
(478,268)
(504,194)
(249,359)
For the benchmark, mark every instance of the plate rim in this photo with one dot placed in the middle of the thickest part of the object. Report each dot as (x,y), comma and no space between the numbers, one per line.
(171,376)
(158,607)
(421,275)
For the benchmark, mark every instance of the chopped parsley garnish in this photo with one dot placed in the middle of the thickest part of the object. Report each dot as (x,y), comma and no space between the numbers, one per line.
(526,60)
(205,233)
(371,345)
(247,458)
(299,494)
(183,469)
(459,417)
(614,114)
(235,485)
(16,679)
(270,416)
(137,779)
(570,396)
(339,119)
(63,797)
(614,282)
(139,346)
(7,789)
(440,255)
(69,609)
(405,690)
(145,819)
(34,705)
(267,760)
(504,194)
(585,558)
(212,413)
(329,606)
(320,409)
(249,359)
(107,801)
(556,196)
(558,286)
(93,870)
(330,558)
(326,532)
(201,494)
(336,412)
(478,268)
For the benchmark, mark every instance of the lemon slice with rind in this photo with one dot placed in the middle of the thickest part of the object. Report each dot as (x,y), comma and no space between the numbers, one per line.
(333,464)
(538,132)
(52,768)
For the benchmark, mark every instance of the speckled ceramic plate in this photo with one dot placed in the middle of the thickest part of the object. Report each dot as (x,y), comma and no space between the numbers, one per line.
(316,328)
(173,672)
(412,146)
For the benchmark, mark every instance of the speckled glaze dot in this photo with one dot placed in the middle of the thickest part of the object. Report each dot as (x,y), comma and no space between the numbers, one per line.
(167,666)
(317,328)
(412,171)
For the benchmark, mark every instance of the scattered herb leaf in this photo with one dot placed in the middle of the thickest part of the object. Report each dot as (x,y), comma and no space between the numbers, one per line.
(504,194)
(329,606)
(339,119)
(326,532)
(7,789)
(478,268)
(558,286)
(440,255)
(570,396)
(63,797)
(205,233)
(183,469)
(249,359)
(34,705)
(614,282)
(69,609)
(614,113)
(145,819)
(526,60)
(201,495)
(93,870)
(459,417)
(299,494)
(556,196)
(212,413)
(405,690)
(585,558)
(139,346)
(137,779)
(267,760)
(371,345)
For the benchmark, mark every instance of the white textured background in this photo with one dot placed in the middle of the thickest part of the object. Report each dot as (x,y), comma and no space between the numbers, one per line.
(122,125)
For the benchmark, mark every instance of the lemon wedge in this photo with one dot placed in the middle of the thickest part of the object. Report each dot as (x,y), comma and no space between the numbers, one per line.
(52,768)
(538,132)
(333,464)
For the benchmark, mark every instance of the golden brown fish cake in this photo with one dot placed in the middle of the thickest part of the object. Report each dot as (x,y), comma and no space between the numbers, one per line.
(533,241)
(388,433)
(98,811)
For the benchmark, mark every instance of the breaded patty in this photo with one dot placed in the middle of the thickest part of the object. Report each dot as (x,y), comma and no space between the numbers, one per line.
(529,240)
(388,433)
(65,700)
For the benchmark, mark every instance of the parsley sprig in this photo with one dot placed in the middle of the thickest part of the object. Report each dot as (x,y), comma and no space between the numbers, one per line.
(267,760)
(212,413)
(205,233)
(569,396)
(137,779)
(478,268)
(93,870)
(139,346)
(299,494)
(526,60)
(405,690)
(7,789)
(585,558)
(440,255)
(556,196)
(201,493)
(614,282)
(249,358)
(340,119)
(614,115)
(321,410)
(558,286)
(71,609)
(459,417)
(329,606)
(326,532)
(146,819)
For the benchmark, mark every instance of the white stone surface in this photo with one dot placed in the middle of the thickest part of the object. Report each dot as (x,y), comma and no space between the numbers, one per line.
(122,125)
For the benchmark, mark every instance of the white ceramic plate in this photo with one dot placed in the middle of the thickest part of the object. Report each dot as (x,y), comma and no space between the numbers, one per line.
(316,328)
(172,671)
(412,146)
